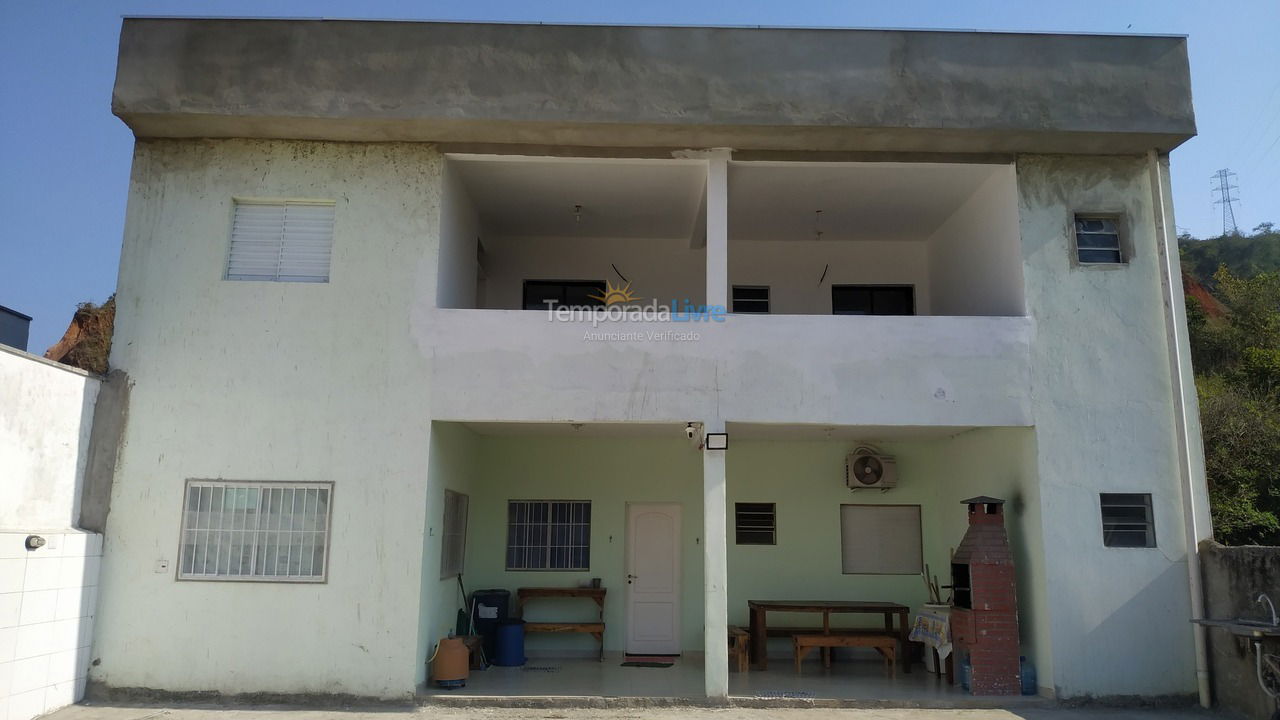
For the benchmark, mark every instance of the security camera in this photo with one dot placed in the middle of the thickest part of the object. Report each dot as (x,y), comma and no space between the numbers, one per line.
(690,430)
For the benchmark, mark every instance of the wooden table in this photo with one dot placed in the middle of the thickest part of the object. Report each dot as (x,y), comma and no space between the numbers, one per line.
(761,608)
(595,629)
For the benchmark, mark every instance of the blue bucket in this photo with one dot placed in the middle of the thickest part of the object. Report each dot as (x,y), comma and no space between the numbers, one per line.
(510,643)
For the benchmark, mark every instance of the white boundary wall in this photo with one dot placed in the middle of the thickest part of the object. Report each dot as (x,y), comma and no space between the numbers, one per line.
(47,595)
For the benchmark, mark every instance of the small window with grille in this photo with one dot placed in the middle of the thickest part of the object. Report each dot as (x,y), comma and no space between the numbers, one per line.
(1098,240)
(750,299)
(453,536)
(1127,520)
(264,531)
(549,535)
(755,523)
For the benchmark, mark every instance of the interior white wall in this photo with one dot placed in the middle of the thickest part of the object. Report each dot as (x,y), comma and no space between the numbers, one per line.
(459,235)
(975,261)
(665,269)
(792,270)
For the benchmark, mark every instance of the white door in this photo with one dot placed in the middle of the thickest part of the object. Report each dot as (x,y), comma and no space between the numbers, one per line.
(653,579)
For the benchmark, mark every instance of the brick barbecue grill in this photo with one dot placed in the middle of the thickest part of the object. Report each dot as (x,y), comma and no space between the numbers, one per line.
(984,620)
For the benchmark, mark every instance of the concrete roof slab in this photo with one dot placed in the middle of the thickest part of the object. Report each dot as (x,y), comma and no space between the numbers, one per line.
(747,88)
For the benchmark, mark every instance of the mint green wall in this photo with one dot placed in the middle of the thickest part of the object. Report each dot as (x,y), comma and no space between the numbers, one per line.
(804,478)
(452,465)
(609,472)
(806,481)
(1000,462)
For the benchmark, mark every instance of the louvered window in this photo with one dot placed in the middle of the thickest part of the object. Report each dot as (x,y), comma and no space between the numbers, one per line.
(288,241)
(1098,241)
(1127,520)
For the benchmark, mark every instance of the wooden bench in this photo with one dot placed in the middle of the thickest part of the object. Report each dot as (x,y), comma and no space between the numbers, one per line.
(595,629)
(739,648)
(886,645)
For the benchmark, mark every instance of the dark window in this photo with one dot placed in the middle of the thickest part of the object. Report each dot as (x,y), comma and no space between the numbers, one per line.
(562,293)
(1126,520)
(873,300)
(749,299)
(549,535)
(1098,240)
(755,523)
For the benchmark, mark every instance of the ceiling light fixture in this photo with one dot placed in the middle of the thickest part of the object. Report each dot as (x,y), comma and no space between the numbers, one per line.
(817,224)
(577,213)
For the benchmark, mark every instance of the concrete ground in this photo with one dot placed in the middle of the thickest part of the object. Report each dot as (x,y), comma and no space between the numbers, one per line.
(104,712)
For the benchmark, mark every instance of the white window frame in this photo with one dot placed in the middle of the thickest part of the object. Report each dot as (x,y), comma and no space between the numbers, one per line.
(258,533)
(1147,526)
(285,204)
(1122,244)
(453,534)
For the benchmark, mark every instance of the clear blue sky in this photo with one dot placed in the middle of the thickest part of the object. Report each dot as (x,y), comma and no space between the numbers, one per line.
(64,159)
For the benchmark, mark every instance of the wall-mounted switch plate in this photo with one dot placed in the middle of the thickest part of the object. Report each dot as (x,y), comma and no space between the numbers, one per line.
(162,566)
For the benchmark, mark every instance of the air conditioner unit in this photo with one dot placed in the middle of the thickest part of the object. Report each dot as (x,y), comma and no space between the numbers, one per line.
(867,468)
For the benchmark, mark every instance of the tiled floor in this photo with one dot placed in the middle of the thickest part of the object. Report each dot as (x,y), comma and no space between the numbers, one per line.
(859,679)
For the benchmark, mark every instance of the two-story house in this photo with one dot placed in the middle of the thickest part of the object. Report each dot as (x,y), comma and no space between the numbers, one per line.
(542,306)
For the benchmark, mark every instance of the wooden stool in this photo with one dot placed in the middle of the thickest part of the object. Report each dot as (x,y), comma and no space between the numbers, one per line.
(739,647)
(886,645)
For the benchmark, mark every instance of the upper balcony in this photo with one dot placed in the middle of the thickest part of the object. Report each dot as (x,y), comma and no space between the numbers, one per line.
(803,238)
(927,254)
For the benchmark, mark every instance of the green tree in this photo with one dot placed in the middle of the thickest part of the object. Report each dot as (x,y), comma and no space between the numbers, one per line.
(1237,360)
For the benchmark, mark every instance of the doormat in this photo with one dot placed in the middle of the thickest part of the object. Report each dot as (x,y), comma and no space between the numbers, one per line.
(649,661)
(540,668)
(785,695)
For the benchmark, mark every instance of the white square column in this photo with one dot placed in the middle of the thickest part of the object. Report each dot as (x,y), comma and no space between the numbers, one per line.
(718,228)
(715,548)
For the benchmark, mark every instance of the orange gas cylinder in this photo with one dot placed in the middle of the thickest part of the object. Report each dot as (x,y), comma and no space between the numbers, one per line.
(450,666)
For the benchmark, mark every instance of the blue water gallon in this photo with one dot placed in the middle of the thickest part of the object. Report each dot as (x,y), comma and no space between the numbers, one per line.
(966,671)
(1027,671)
(510,643)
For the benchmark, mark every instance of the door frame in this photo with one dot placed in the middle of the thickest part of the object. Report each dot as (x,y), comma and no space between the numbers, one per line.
(677,570)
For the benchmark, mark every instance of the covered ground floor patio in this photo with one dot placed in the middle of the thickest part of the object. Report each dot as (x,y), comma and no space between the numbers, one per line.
(679,544)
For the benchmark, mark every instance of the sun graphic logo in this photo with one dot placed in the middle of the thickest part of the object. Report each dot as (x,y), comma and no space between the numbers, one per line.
(615,295)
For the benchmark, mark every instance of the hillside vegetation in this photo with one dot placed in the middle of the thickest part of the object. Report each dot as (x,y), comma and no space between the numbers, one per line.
(1234,322)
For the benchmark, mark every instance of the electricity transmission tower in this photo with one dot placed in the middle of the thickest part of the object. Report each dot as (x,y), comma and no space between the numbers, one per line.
(1223,189)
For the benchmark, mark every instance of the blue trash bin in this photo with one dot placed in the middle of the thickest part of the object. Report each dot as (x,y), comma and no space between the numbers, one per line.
(510,643)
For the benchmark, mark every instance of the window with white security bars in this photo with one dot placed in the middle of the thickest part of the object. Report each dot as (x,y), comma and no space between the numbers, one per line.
(289,241)
(264,531)
(549,535)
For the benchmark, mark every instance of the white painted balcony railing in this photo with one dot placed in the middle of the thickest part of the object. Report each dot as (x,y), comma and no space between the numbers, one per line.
(522,366)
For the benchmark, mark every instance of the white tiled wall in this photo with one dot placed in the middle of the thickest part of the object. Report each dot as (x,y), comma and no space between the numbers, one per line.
(47,601)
